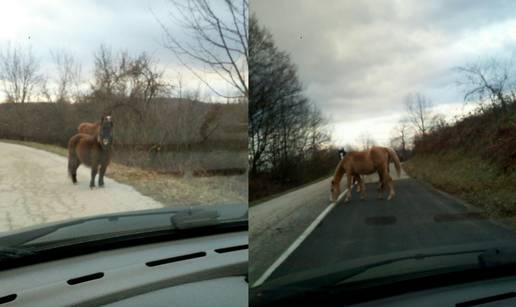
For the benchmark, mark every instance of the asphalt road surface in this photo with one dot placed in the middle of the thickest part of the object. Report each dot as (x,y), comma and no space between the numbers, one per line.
(35,189)
(419,217)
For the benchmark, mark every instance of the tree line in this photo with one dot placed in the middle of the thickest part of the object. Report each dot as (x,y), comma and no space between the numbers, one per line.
(287,132)
(490,84)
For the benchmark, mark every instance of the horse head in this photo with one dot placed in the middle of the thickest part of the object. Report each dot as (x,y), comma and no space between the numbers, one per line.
(105,136)
(334,191)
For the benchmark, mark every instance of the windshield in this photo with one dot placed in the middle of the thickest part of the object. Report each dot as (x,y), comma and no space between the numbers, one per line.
(108,132)
(393,153)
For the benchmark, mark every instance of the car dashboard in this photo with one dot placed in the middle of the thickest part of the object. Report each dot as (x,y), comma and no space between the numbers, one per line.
(209,270)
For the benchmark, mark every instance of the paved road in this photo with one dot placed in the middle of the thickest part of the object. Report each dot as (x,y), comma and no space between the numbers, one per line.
(419,217)
(35,188)
(275,224)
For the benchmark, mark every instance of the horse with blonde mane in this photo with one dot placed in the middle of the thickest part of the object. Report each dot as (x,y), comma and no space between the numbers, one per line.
(375,159)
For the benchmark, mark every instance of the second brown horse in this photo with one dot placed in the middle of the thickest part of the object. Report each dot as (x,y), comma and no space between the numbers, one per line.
(92,150)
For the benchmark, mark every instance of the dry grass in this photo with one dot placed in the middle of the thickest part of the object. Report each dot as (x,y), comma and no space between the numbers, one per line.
(168,189)
(470,178)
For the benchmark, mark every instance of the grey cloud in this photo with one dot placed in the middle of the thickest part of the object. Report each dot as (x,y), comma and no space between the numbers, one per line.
(359,59)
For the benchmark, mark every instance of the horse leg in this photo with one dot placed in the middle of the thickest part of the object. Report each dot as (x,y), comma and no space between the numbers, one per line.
(362,190)
(390,184)
(380,185)
(356,179)
(73,164)
(94,168)
(350,181)
(102,171)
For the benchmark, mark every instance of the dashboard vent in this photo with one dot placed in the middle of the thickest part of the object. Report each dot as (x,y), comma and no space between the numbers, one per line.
(85,278)
(8,298)
(231,249)
(175,259)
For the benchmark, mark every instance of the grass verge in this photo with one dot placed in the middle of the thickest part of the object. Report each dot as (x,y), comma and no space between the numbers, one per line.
(468,177)
(168,189)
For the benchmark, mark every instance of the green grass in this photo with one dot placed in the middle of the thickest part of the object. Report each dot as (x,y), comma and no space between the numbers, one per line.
(468,177)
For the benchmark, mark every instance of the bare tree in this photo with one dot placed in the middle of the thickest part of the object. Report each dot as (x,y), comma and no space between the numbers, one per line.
(401,136)
(179,87)
(418,108)
(216,38)
(123,76)
(489,80)
(285,129)
(438,122)
(366,141)
(19,73)
(66,87)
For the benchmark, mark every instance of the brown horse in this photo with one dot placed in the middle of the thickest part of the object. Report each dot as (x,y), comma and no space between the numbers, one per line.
(356,177)
(89,128)
(375,159)
(93,151)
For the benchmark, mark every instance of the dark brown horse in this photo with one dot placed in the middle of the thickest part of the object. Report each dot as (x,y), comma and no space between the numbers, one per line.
(93,151)
(88,128)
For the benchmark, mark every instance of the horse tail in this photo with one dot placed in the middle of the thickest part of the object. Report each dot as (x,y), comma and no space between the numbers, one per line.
(72,154)
(394,157)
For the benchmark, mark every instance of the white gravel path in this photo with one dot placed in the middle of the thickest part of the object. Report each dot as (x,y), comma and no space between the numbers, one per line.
(35,188)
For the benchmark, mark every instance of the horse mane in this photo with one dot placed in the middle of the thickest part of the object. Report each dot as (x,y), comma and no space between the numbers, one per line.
(339,171)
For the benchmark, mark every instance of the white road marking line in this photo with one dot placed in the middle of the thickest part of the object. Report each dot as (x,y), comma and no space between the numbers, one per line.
(297,242)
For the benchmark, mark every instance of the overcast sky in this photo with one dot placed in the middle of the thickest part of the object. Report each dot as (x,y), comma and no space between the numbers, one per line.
(359,59)
(80,27)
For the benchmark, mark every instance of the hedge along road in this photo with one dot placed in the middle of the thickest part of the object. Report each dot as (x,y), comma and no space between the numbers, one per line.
(35,189)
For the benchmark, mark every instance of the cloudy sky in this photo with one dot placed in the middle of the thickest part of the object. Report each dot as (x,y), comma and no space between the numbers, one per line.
(80,27)
(359,59)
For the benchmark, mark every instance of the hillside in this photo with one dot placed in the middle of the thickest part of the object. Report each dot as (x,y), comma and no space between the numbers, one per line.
(474,159)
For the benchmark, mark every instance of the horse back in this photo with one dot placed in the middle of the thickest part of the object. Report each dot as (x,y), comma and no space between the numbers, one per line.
(89,128)
(85,147)
(360,163)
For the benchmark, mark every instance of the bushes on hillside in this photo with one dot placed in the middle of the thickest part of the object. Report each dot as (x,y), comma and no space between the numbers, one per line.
(485,132)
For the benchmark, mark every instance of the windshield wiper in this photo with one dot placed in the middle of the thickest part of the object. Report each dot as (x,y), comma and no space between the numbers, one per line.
(496,257)
(324,287)
(324,279)
(343,276)
(11,253)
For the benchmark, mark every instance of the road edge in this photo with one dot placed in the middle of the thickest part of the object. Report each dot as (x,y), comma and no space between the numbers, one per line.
(297,242)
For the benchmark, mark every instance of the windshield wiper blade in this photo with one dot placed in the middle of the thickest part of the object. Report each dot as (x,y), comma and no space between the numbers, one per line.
(496,257)
(323,279)
(355,271)
(10,253)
